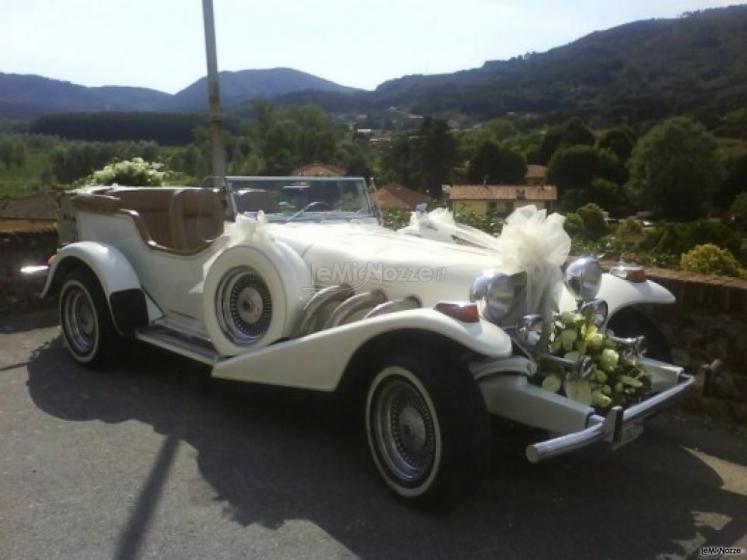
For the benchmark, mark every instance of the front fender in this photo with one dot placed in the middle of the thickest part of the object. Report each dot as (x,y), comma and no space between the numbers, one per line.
(319,360)
(620,293)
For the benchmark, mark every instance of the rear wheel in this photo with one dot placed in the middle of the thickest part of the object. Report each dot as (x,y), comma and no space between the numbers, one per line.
(86,321)
(428,429)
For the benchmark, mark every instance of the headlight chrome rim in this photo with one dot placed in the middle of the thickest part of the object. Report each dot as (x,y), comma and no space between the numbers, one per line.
(496,294)
(583,278)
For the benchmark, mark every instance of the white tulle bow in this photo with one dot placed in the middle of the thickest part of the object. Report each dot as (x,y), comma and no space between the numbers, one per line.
(531,242)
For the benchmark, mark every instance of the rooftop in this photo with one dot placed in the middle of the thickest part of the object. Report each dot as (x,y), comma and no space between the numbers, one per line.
(319,170)
(503,192)
(398,197)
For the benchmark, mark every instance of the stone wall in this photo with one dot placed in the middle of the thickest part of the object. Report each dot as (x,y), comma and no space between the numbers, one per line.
(708,321)
(18,249)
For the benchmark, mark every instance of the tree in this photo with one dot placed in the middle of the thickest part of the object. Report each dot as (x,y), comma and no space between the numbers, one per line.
(12,151)
(594,222)
(76,160)
(399,162)
(738,212)
(437,154)
(355,157)
(495,164)
(620,141)
(610,196)
(674,169)
(495,130)
(571,133)
(575,167)
(6,152)
(734,183)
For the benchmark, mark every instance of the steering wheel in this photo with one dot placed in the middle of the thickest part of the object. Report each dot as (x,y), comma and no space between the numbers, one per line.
(309,206)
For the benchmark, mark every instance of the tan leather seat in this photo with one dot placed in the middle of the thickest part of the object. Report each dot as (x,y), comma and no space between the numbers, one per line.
(196,219)
(153,204)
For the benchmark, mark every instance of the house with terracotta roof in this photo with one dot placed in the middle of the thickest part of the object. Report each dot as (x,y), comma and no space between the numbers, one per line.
(501,200)
(319,170)
(397,197)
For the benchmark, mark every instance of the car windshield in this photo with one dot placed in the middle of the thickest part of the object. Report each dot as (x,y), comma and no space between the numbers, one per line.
(284,199)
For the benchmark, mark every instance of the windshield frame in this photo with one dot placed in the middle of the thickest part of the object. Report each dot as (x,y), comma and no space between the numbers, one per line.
(365,214)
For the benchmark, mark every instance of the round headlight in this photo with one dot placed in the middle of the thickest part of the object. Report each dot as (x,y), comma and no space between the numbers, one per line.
(583,278)
(494,293)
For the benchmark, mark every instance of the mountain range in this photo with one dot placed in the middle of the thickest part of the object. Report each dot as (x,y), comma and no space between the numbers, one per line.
(697,62)
(24,96)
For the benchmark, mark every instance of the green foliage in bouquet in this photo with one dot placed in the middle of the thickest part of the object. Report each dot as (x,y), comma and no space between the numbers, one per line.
(618,379)
(133,173)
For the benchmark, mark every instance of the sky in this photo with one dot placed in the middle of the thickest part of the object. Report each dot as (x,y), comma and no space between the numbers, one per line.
(360,43)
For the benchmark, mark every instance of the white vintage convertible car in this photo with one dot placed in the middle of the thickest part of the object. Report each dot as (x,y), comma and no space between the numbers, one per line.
(436,328)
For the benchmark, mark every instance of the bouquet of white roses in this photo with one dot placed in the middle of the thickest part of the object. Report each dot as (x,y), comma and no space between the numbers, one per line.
(616,379)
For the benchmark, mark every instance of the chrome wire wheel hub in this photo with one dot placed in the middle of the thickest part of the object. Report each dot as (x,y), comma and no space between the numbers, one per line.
(404,430)
(243,305)
(79,320)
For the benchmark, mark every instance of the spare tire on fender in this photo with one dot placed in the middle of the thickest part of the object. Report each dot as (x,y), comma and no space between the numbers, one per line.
(252,296)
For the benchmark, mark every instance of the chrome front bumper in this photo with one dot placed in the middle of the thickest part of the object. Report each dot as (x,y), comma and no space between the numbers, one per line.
(618,426)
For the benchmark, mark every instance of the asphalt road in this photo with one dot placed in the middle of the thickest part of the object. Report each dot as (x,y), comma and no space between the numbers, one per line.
(158,460)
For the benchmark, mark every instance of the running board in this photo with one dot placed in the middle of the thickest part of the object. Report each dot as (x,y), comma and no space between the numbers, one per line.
(192,347)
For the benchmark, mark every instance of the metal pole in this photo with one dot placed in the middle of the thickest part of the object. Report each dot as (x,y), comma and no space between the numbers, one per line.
(216,119)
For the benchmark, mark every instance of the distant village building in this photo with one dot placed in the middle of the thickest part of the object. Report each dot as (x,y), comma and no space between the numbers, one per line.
(536,174)
(501,200)
(380,141)
(397,197)
(319,170)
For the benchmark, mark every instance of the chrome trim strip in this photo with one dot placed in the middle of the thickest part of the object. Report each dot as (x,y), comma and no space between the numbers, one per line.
(409,302)
(608,428)
(318,301)
(352,305)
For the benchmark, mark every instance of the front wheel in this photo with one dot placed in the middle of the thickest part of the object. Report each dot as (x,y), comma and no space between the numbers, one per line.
(428,429)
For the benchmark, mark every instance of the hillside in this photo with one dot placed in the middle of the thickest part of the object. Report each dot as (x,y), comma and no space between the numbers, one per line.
(638,71)
(243,85)
(24,95)
(645,69)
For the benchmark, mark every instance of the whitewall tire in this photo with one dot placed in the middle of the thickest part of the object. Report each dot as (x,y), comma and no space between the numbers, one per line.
(404,435)
(427,427)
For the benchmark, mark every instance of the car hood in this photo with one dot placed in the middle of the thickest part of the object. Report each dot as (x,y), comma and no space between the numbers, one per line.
(368,256)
